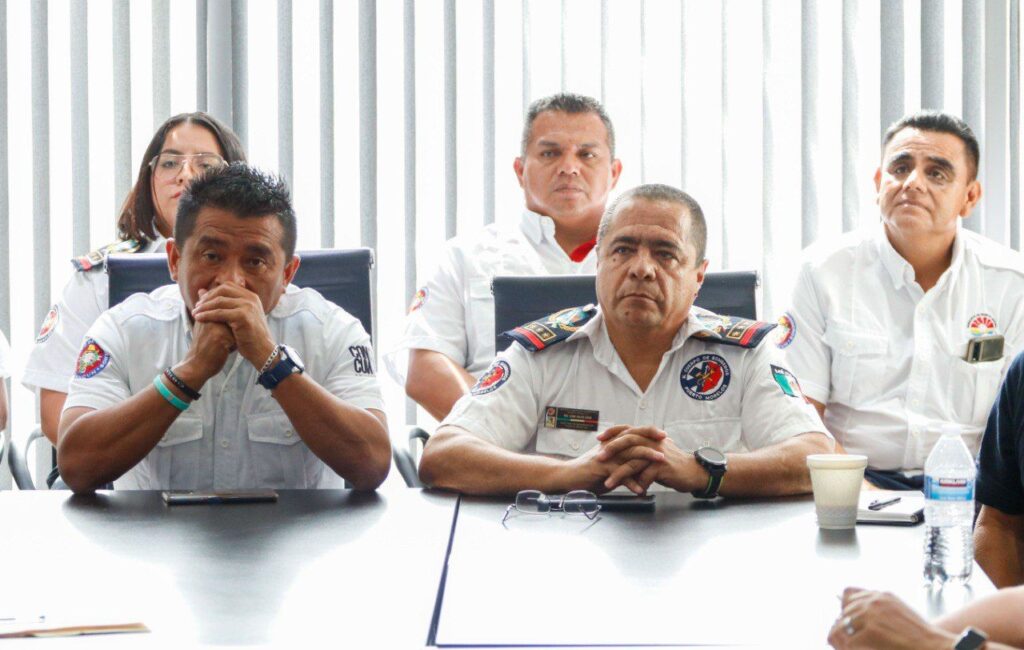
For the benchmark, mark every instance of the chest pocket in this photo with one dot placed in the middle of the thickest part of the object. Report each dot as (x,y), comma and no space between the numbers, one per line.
(724,434)
(858,362)
(179,454)
(278,458)
(480,320)
(569,443)
(972,390)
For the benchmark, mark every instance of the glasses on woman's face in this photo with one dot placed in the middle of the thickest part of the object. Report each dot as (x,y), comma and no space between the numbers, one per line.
(167,166)
(535,502)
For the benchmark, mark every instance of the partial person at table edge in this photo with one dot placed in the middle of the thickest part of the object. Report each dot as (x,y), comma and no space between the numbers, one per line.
(646,389)
(910,322)
(999,530)
(181,148)
(233,378)
(873,620)
(566,168)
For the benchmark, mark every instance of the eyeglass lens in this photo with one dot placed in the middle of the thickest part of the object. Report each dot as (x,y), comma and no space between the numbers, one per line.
(168,165)
(580,501)
(532,501)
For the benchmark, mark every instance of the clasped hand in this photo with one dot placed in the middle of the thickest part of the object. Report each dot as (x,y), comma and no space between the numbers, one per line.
(638,457)
(228,317)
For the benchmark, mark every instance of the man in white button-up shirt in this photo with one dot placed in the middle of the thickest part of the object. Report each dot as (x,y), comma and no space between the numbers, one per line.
(885,328)
(232,379)
(647,390)
(566,169)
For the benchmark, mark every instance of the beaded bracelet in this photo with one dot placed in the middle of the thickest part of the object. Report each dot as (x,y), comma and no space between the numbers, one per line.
(166,393)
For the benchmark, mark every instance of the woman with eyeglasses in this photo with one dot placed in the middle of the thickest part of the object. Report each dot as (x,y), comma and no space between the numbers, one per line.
(183,147)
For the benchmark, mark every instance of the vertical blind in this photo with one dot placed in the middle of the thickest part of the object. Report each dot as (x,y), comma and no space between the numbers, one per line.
(396,121)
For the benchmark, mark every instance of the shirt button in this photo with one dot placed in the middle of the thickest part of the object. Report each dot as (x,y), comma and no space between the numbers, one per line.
(916,402)
(575,445)
(224,444)
(643,405)
(288,433)
(849,345)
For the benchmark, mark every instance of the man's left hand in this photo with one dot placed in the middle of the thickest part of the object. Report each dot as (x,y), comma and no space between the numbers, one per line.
(242,311)
(679,471)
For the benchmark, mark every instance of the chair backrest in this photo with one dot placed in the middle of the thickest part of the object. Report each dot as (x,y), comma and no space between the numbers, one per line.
(521,299)
(341,276)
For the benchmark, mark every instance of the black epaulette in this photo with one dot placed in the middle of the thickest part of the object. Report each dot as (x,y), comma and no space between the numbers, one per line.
(730,330)
(555,328)
(94,260)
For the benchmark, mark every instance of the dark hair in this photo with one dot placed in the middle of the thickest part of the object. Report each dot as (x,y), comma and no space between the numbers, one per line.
(138,214)
(939,122)
(656,192)
(245,192)
(567,103)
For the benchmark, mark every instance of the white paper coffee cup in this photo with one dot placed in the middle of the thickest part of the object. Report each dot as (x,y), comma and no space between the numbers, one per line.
(836,480)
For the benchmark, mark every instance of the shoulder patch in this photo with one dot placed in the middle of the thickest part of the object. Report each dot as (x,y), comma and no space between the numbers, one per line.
(729,330)
(493,378)
(91,360)
(555,328)
(49,324)
(94,259)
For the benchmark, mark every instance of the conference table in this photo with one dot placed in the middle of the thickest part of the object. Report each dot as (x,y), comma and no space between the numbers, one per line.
(418,568)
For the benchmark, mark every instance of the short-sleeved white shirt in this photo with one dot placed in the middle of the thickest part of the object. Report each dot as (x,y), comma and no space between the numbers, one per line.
(886,358)
(5,354)
(454,312)
(51,363)
(555,401)
(235,436)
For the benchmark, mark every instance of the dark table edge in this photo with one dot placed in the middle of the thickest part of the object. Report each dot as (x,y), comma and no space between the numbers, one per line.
(439,601)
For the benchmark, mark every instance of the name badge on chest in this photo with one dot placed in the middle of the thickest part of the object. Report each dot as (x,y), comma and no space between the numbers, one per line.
(557,417)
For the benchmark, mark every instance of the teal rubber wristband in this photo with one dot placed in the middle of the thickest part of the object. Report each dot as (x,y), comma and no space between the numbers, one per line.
(166,393)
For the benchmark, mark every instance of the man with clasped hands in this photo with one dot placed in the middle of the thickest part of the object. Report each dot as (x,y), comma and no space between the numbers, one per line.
(648,389)
(233,378)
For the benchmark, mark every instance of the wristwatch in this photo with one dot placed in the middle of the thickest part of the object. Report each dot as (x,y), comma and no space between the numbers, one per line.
(288,364)
(713,462)
(971,639)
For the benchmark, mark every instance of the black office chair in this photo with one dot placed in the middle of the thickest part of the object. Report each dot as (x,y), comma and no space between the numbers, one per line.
(521,299)
(341,276)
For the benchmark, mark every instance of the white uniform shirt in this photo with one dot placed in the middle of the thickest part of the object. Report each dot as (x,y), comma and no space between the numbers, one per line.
(454,312)
(886,358)
(555,401)
(5,354)
(236,436)
(51,363)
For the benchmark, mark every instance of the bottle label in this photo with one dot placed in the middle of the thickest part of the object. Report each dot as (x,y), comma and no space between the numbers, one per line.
(948,489)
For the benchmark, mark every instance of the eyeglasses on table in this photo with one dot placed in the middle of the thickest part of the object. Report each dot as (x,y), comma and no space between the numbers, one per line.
(535,502)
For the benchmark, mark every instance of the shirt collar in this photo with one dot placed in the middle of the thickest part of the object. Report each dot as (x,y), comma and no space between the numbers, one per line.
(605,352)
(157,245)
(537,227)
(900,270)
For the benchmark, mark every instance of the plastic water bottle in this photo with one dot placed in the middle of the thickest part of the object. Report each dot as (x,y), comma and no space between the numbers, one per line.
(949,510)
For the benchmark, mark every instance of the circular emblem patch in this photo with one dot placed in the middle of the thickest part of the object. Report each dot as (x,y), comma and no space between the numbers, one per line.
(49,324)
(91,360)
(705,377)
(418,300)
(981,324)
(785,332)
(492,379)
(568,319)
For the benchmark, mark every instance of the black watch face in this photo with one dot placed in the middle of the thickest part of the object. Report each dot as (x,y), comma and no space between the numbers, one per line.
(711,455)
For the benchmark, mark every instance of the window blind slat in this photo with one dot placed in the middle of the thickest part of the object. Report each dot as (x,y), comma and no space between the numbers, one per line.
(893,83)
(973,34)
(809,127)
(40,158)
(1014,106)
(933,54)
(489,111)
(368,134)
(850,118)
(79,67)
(327,124)
(451,151)
(201,25)
(285,92)
(409,100)
(122,100)
(161,61)
(240,70)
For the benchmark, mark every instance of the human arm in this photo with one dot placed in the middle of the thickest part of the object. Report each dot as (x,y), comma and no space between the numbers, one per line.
(999,615)
(999,546)
(881,621)
(457,460)
(351,440)
(776,470)
(98,445)
(3,403)
(436,382)
(51,403)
